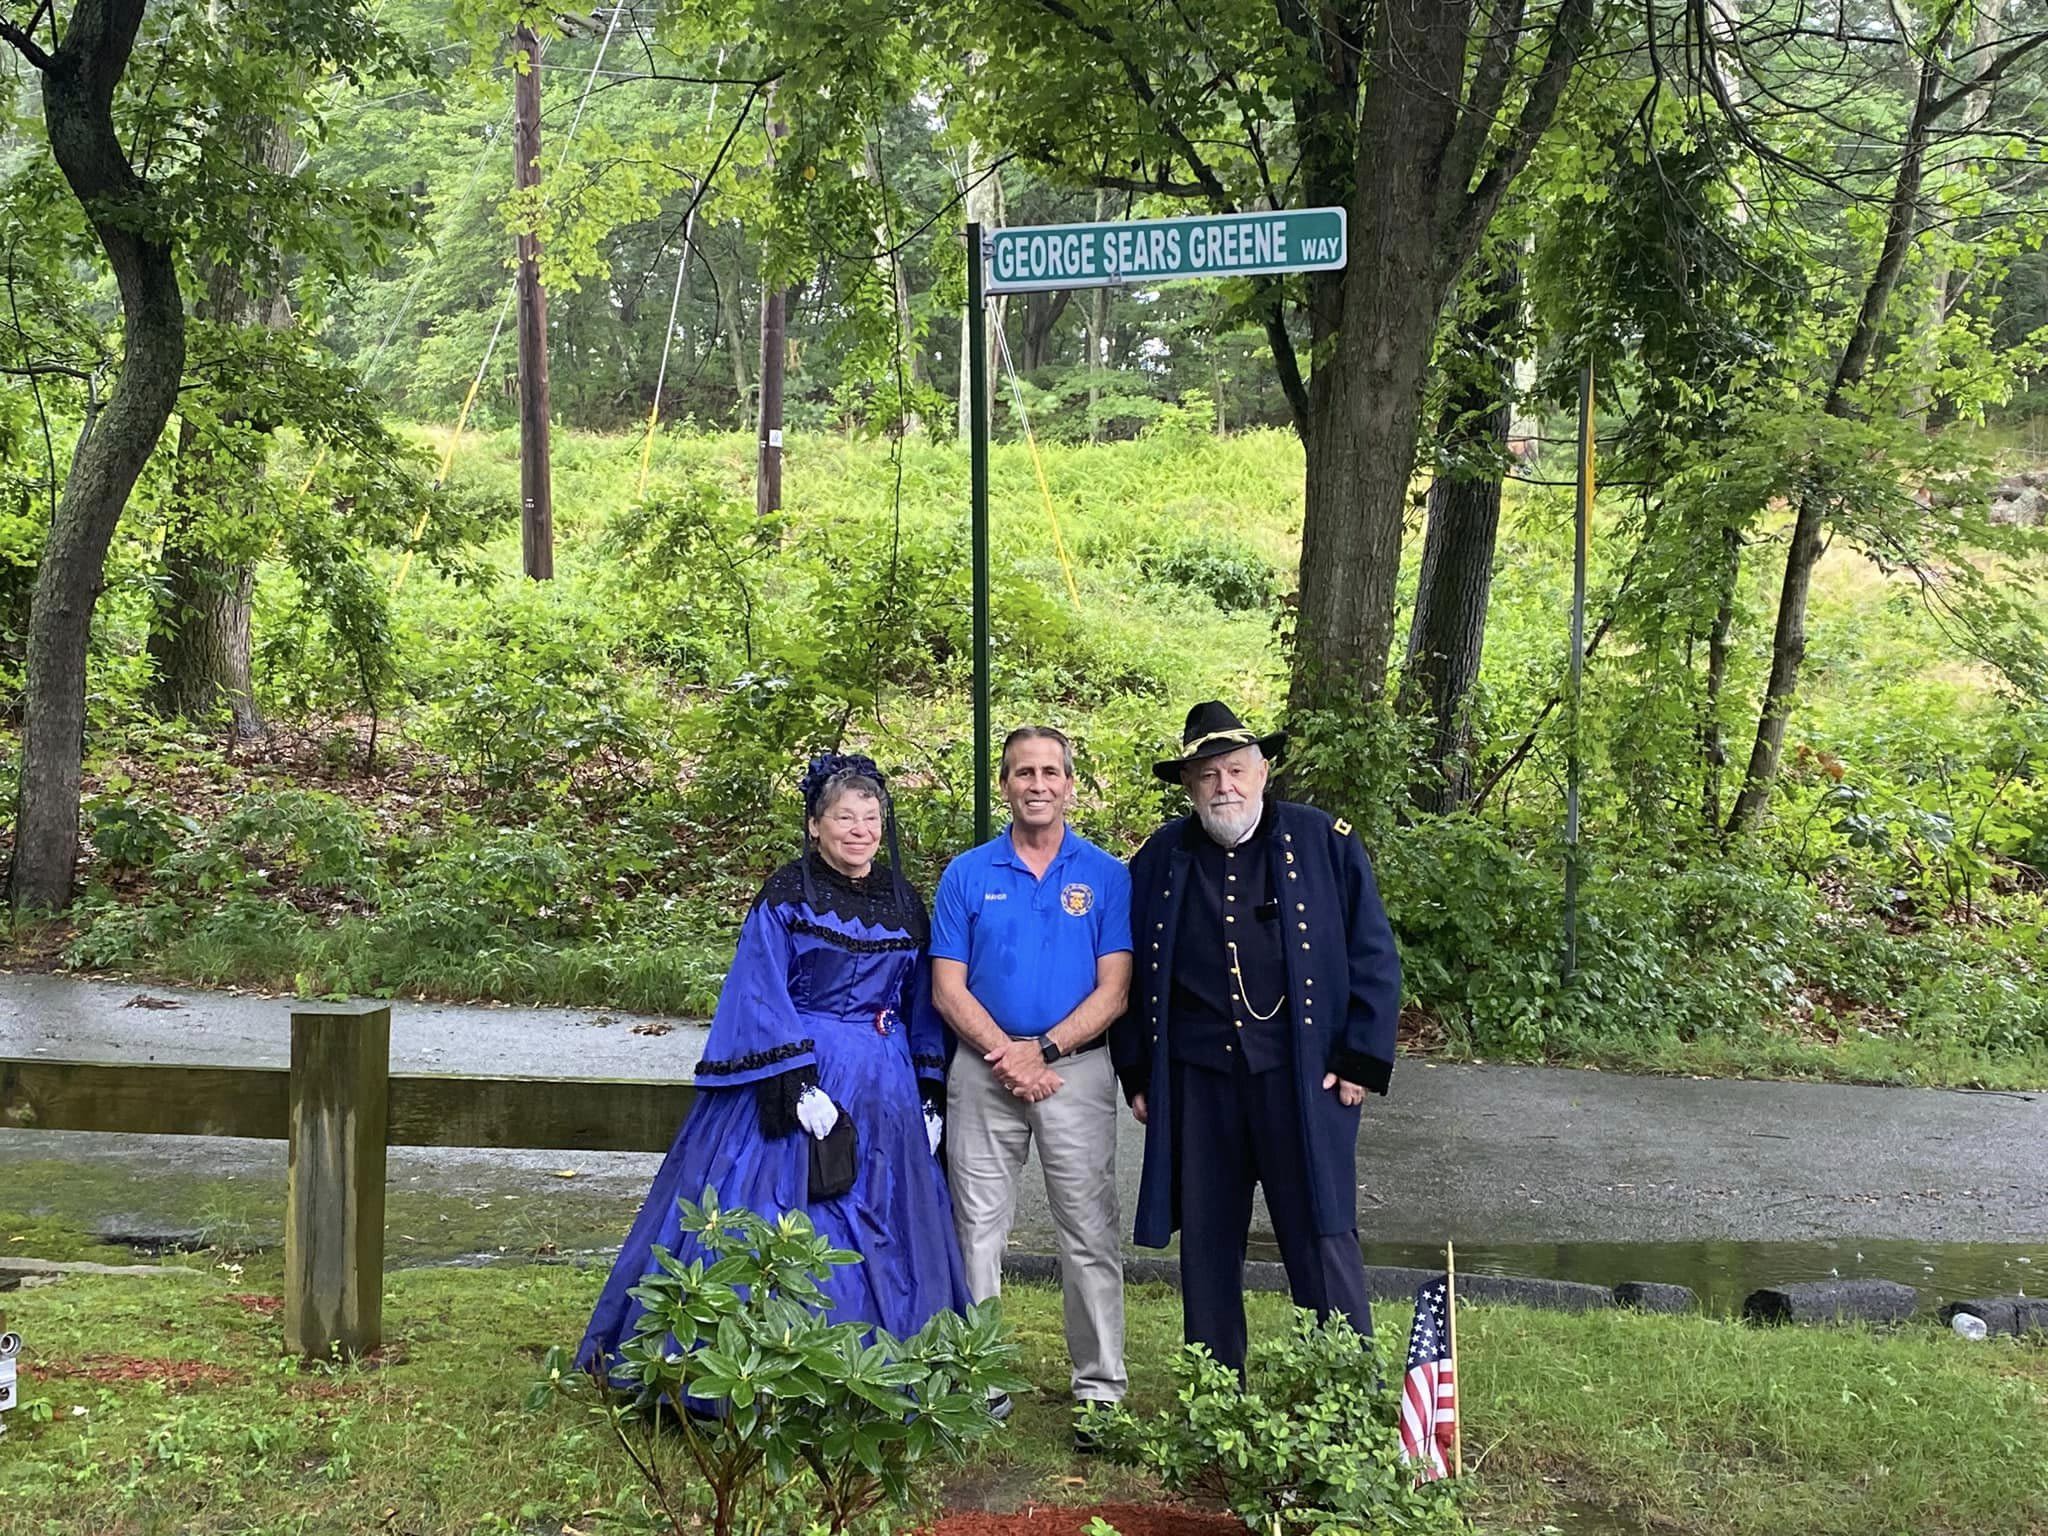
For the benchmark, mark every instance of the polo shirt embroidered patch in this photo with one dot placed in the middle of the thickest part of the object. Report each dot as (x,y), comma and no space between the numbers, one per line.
(1077,899)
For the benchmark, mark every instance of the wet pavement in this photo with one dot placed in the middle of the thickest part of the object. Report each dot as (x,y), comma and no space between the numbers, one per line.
(1513,1162)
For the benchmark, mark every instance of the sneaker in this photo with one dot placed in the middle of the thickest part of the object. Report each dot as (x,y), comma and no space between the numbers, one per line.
(1086,1441)
(999,1406)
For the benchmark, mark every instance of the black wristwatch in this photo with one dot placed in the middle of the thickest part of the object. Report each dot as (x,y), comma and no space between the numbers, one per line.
(1049,1048)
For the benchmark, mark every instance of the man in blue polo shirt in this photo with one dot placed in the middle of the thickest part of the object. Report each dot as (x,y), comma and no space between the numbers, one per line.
(1031,960)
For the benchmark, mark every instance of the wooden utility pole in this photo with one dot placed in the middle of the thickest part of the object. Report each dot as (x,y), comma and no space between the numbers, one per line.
(536,493)
(774,351)
(768,489)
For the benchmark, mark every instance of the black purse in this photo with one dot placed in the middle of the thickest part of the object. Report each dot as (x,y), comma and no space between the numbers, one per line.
(832,1160)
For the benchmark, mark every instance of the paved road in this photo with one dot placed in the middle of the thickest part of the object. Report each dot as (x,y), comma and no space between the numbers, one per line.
(1509,1155)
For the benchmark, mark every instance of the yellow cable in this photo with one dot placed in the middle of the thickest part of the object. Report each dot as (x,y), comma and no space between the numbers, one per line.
(1059,545)
(307,484)
(647,448)
(1038,467)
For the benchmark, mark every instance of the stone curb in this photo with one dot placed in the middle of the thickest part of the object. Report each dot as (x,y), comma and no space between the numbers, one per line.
(24,1268)
(2014,1315)
(1832,1301)
(1395,1283)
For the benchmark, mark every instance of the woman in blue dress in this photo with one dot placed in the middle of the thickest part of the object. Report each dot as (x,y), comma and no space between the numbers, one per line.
(821,1084)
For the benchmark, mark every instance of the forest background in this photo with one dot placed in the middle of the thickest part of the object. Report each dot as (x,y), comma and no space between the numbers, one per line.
(333,741)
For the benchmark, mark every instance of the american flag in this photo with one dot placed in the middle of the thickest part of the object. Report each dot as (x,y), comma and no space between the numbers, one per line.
(1429,1393)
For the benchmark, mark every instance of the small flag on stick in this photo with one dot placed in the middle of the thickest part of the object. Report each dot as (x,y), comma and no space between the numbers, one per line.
(1429,1392)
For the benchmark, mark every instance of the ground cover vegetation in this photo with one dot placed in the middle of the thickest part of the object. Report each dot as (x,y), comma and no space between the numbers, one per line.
(575,787)
(170,1404)
(289,718)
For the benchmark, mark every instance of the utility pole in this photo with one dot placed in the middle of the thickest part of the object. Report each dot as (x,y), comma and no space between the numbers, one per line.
(774,352)
(536,493)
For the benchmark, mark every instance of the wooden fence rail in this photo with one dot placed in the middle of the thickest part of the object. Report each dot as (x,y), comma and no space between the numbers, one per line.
(338,1106)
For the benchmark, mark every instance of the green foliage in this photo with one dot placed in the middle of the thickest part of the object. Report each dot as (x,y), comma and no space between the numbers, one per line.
(292,837)
(1235,579)
(1310,1443)
(578,786)
(135,834)
(735,1358)
(531,702)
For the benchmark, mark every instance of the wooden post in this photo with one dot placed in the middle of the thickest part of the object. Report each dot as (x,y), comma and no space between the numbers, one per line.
(774,360)
(334,1186)
(536,486)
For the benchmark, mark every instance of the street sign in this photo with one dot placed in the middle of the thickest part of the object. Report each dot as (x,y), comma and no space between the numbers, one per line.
(1042,256)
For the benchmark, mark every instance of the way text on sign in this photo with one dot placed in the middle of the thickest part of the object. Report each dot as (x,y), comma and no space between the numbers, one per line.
(1153,250)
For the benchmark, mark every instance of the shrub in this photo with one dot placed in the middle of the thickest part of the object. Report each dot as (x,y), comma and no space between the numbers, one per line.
(135,834)
(292,836)
(1311,1444)
(1232,577)
(736,1355)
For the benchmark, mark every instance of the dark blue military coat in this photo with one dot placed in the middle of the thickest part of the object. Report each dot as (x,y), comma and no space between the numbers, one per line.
(1343,997)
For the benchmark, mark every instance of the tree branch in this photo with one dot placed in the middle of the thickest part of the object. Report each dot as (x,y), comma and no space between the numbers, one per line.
(1286,362)
(1158,187)
(42,370)
(1941,105)
(1489,90)
(1142,87)
(1574,23)
(25,45)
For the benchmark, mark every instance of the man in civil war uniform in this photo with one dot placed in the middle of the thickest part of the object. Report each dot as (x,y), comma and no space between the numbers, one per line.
(1263,1007)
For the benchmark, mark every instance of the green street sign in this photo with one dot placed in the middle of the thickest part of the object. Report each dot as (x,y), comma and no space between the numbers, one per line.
(1042,256)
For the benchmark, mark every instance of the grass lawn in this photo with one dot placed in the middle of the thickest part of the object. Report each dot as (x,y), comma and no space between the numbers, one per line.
(167,1405)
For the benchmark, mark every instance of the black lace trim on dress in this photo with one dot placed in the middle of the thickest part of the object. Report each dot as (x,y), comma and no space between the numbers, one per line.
(872,900)
(840,939)
(754,1061)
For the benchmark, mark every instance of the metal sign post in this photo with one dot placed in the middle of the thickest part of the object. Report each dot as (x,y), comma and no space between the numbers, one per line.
(977,479)
(1042,257)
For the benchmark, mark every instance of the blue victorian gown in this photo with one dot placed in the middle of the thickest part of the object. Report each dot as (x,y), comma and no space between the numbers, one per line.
(830,985)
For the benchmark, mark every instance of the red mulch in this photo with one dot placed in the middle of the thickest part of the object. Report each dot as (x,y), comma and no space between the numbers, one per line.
(176,1375)
(262,1306)
(1072,1520)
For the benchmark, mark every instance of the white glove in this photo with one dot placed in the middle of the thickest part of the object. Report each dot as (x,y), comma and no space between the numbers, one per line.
(934,1127)
(816,1113)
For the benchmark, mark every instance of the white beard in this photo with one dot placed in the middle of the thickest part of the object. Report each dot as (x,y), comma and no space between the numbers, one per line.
(1229,825)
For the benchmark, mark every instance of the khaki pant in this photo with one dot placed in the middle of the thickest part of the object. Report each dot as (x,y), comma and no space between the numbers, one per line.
(989,1132)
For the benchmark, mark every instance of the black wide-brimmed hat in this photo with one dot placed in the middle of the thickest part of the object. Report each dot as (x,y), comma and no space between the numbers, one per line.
(1212,730)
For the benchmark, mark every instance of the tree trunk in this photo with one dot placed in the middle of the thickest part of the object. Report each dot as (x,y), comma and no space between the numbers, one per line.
(1365,405)
(78,96)
(1098,319)
(536,476)
(1713,747)
(984,206)
(199,640)
(1448,633)
(1788,639)
(1042,312)
(1428,168)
